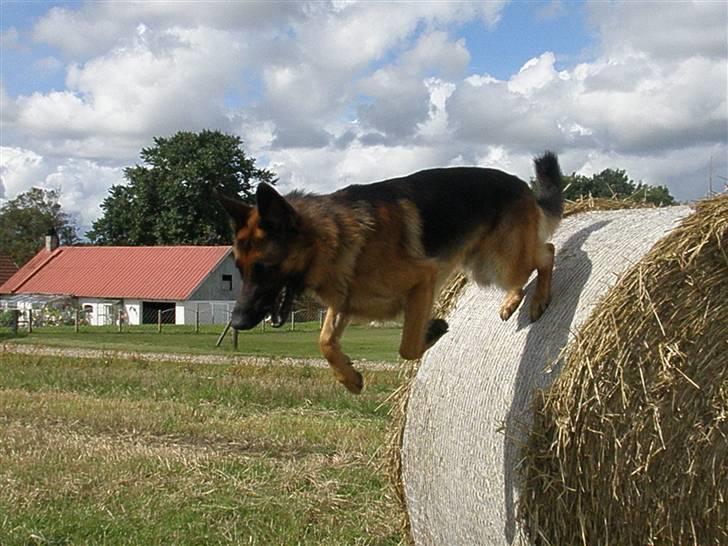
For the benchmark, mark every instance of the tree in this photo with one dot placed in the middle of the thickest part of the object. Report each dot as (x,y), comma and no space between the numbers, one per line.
(168,199)
(616,184)
(25,220)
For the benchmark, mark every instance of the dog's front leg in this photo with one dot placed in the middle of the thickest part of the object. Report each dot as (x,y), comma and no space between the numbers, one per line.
(416,337)
(334,326)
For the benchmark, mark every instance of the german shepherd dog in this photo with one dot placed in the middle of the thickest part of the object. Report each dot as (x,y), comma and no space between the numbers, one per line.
(378,250)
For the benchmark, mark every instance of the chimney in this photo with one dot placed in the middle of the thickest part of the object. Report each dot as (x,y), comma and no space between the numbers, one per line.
(51,240)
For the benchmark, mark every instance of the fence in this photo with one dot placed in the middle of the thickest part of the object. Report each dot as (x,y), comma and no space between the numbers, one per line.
(162,314)
(16,320)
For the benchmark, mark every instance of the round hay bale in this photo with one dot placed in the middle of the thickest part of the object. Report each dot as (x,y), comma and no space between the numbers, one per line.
(469,405)
(630,444)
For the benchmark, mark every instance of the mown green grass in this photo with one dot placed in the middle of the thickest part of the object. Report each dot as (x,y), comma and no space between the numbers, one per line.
(360,342)
(134,452)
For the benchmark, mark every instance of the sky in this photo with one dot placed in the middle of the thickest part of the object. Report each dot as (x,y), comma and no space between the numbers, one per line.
(327,94)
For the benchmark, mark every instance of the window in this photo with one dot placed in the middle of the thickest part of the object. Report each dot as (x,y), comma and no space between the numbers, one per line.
(227,282)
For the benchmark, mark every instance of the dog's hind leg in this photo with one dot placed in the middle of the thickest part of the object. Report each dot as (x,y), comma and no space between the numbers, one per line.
(334,326)
(544,266)
(520,252)
(418,331)
(513,299)
(513,282)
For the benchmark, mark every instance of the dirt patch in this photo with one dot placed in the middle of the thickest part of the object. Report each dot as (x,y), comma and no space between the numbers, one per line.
(41,350)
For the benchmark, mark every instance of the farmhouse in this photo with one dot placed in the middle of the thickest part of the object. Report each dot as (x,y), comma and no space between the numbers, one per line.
(179,284)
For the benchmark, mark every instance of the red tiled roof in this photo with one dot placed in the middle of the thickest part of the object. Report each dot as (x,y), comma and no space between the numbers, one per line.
(143,272)
(7,267)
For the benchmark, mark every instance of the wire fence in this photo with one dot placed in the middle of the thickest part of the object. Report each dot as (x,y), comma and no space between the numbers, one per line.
(68,313)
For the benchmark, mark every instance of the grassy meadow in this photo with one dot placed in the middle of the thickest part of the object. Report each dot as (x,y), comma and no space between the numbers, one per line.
(361,342)
(105,451)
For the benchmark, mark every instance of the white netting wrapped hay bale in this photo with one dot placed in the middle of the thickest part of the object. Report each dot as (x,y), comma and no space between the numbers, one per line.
(459,468)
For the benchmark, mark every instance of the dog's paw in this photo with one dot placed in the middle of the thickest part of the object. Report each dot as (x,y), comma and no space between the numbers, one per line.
(435,330)
(507,309)
(354,382)
(510,303)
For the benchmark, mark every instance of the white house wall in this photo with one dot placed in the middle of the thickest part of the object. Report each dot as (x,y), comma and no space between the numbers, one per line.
(133,311)
(22,306)
(103,312)
(210,312)
(98,312)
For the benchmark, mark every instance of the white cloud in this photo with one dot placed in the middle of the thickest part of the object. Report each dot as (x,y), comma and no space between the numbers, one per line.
(328,93)
(155,84)
(400,94)
(534,75)
(665,109)
(77,33)
(98,26)
(665,30)
(633,105)
(362,32)
(435,54)
(300,103)
(526,113)
(325,169)
(310,88)
(20,169)
(436,127)
(82,184)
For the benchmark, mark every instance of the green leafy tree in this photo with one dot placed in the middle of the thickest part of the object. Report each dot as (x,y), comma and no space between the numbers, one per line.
(25,220)
(614,183)
(168,199)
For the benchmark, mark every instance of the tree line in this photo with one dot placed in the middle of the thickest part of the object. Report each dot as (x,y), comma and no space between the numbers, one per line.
(167,198)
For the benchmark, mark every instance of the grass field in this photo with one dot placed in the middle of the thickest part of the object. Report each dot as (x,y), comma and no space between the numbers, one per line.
(133,452)
(360,342)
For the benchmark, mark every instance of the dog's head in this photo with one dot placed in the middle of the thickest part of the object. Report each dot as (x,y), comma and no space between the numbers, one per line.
(264,241)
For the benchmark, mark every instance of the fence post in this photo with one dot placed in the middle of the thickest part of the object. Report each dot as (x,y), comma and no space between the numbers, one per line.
(14,321)
(222,336)
(235,339)
(159,321)
(77,319)
(293,320)
(30,321)
(197,318)
(120,319)
(321,319)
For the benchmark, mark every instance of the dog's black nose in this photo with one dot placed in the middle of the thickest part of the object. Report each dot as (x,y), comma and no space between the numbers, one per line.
(240,320)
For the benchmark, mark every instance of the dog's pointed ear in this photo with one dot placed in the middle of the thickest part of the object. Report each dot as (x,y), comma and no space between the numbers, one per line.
(276,214)
(236,209)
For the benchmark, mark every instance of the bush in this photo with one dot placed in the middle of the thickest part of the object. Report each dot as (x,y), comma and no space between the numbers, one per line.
(7,318)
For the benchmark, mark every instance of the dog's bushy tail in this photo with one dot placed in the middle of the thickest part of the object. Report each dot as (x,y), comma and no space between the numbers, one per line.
(548,186)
